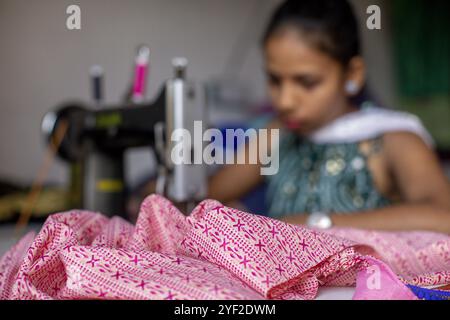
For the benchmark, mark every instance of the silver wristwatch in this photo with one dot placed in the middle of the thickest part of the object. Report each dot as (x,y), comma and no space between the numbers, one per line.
(319,220)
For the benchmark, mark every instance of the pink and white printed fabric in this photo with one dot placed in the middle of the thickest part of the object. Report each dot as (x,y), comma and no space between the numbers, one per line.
(215,253)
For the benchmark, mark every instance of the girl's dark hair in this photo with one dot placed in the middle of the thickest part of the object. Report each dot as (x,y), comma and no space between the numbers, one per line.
(330,25)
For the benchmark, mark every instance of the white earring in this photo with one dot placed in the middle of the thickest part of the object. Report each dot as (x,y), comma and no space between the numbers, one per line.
(351,87)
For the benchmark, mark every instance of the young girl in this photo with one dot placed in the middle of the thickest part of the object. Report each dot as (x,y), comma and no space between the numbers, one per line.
(342,163)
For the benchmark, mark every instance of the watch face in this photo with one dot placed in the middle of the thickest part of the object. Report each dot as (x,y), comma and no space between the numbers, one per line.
(320,220)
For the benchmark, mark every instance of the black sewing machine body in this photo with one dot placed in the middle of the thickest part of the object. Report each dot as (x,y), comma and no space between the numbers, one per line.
(96,141)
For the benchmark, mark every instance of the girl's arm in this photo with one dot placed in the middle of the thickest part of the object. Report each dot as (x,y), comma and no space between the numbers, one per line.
(234,181)
(424,188)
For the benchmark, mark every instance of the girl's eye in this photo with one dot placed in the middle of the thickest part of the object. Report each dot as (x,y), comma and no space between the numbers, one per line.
(307,83)
(273,80)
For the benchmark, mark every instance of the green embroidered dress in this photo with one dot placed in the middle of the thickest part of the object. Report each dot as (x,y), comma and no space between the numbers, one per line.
(313,177)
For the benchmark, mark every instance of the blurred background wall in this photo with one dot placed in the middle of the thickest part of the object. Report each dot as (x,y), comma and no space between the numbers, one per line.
(43,64)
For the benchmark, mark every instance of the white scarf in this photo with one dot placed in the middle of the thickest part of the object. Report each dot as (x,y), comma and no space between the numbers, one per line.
(368,123)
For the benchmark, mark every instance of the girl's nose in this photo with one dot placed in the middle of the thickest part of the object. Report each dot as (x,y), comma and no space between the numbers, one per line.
(286,101)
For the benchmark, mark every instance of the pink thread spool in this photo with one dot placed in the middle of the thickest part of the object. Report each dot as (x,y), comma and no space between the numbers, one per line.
(140,76)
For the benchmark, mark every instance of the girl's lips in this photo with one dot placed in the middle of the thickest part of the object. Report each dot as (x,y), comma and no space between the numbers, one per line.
(292,125)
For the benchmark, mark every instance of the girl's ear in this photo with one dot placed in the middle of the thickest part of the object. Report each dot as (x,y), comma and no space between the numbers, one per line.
(355,76)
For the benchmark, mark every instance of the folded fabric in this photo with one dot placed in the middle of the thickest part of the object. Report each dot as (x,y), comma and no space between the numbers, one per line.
(215,253)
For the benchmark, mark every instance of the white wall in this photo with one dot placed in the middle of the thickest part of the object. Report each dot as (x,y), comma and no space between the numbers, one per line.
(42,63)
(378,52)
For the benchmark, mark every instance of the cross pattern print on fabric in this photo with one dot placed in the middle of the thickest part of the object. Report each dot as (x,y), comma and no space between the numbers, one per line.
(216,252)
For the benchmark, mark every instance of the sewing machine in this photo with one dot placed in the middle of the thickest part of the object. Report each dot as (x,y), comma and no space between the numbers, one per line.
(97,140)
